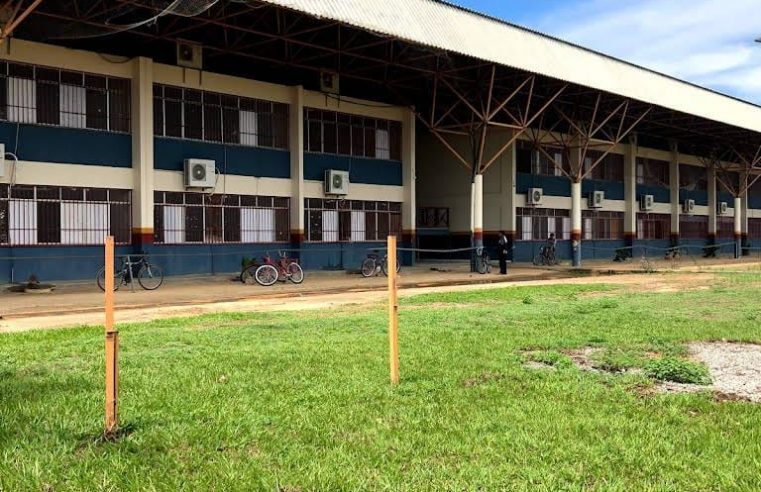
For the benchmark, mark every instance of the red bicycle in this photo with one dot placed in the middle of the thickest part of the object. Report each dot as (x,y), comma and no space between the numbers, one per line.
(271,271)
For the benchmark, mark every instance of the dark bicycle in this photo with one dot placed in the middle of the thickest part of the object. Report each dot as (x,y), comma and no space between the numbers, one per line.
(375,263)
(149,276)
(545,257)
(483,262)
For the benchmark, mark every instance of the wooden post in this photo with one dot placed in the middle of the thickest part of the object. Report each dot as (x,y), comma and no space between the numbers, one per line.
(112,343)
(393,312)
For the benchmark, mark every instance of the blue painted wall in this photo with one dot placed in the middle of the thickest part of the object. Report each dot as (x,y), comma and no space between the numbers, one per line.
(337,256)
(170,154)
(660,194)
(361,170)
(53,263)
(67,145)
(754,200)
(561,186)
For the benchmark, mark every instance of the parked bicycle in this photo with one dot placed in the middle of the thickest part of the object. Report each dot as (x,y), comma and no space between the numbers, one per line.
(149,276)
(483,262)
(375,263)
(545,257)
(271,271)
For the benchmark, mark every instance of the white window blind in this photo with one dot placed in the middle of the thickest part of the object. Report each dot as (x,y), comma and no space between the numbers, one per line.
(558,164)
(587,228)
(527,228)
(358,226)
(84,223)
(382,144)
(174,224)
(249,128)
(22,223)
(257,225)
(330,225)
(73,106)
(22,100)
(566,228)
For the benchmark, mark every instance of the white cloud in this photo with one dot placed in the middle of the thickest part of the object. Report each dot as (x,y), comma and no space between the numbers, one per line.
(707,42)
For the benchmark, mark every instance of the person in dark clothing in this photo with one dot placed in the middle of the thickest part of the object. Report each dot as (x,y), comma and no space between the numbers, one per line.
(502,244)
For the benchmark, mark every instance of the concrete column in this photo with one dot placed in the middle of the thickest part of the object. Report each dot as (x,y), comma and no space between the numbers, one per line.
(576,223)
(507,196)
(296,147)
(142,151)
(676,206)
(630,192)
(713,205)
(738,226)
(744,220)
(409,207)
(477,199)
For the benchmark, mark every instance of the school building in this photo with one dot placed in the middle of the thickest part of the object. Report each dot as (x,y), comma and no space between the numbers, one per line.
(202,132)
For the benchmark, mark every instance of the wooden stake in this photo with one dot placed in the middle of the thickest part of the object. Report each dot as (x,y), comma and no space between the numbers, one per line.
(393,312)
(112,343)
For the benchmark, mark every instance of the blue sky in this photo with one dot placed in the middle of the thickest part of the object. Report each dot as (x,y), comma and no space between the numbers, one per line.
(708,42)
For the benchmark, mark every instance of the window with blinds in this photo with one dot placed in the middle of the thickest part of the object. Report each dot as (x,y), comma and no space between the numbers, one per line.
(351,220)
(329,132)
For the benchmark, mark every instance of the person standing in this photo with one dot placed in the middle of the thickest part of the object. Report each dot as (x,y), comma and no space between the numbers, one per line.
(502,244)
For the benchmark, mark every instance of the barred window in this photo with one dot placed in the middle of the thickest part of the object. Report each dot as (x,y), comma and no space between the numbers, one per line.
(214,117)
(653,226)
(651,172)
(754,228)
(693,226)
(32,215)
(536,224)
(351,220)
(596,224)
(50,96)
(693,178)
(433,218)
(532,161)
(210,219)
(328,132)
(725,227)
(611,168)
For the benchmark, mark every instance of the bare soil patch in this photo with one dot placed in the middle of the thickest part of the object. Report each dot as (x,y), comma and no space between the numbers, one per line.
(735,369)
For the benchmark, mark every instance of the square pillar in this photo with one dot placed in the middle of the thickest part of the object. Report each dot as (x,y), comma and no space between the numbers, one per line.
(713,205)
(296,147)
(508,166)
(142,151)
(409,207)
(676,206)
(630,192)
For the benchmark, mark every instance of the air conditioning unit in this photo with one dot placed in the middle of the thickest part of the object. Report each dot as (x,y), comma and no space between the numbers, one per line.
(689,207)
(646,202)
(336,182)
(329,82)
(189,55)
(200,173)
(596,198)
(534,196)
(723,208)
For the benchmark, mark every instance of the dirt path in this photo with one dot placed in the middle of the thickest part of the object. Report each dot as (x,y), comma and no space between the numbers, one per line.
(298,301)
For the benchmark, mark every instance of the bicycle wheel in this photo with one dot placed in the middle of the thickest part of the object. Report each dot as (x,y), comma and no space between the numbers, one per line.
(538,259)
(247,275)
(150,277)
(482,262)
(368,267)
(266,275)
(101,279)
(295,273)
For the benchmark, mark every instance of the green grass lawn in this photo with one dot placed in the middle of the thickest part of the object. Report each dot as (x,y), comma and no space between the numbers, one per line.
(301,401)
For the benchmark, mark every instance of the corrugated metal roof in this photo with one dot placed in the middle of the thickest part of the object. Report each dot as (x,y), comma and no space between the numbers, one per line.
(441,25)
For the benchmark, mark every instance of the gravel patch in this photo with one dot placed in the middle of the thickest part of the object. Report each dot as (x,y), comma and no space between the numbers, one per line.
(735,368)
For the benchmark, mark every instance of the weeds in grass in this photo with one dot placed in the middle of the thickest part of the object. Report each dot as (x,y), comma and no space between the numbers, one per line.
(677,371)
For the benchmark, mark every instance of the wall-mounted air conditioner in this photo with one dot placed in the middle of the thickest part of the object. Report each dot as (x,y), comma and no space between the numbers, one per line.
(336,182)
(689,207)
(200,173)
(646,202)
(329,82)
(534,196)
(596,198)
(723,208)
(189,55)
